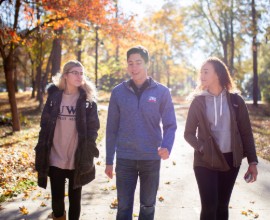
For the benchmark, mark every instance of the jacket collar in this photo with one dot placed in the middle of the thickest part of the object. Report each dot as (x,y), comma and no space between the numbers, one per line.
(53,88)
(152,83)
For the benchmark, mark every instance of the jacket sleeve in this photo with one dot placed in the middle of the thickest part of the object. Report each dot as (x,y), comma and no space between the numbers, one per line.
(168,121)
(245,130)
(93,126)
(191,126)
(112,128)
(41,147)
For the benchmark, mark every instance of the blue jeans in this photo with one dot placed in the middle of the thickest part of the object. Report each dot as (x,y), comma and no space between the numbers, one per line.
(127,173)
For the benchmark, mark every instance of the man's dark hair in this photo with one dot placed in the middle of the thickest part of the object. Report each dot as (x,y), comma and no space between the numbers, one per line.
(139,50)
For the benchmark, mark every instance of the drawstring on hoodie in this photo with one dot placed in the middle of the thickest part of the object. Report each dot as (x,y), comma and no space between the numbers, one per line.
(215,106)
(220,109)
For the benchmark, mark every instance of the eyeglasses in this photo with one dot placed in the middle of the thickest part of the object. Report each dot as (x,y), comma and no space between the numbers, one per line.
(76,73)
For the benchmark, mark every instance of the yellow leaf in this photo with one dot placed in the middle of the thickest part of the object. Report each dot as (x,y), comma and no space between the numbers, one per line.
(24,210)
(135,215)
(114,204)
(48,196)
(244,213)
(25,155)
(38,195)
(43,204)
(105,189)
(113,187)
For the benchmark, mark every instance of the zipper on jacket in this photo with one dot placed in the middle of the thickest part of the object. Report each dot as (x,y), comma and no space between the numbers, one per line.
(212,158)
(233,134)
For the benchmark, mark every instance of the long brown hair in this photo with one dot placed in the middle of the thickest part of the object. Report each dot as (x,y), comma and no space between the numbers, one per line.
(222,72)
(87,85)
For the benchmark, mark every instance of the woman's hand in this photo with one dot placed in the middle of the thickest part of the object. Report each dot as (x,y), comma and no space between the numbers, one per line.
(252,169)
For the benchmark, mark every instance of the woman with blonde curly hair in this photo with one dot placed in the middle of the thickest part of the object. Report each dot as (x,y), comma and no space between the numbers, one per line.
(67,139)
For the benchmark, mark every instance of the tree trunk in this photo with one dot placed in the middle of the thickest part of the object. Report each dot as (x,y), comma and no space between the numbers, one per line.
(15,79)
(33,77)
(57,50)
(46,74)
(254,54)
(232,39)
(38,84)
(8,68)
(96,57)
(79,44)
(39,73)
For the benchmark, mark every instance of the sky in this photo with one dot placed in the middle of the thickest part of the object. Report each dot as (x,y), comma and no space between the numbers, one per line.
(140,7)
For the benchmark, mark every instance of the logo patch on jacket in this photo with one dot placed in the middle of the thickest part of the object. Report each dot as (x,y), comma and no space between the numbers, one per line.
(152,99)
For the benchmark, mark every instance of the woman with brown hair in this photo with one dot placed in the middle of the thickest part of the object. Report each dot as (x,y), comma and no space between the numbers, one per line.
(221,138)
(67,139)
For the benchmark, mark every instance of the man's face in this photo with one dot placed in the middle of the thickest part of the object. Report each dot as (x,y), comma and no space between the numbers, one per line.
(137,68)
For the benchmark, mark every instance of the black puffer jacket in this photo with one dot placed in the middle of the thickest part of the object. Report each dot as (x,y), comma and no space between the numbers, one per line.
(87,123)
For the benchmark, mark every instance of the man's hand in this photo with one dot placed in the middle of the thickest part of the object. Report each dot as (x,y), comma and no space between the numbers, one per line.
(109,171)
(163,153)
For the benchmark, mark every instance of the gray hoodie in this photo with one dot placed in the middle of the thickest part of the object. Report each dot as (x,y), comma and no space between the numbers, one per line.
(218,115)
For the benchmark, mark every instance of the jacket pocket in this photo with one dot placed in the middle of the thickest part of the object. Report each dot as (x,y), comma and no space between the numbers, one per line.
(92,149)
(87,166)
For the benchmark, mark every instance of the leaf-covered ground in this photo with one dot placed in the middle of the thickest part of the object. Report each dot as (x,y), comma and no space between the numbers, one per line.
(17,173)
(260,121)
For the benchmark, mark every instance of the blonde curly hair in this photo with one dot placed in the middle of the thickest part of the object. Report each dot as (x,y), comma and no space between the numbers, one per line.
(87,85)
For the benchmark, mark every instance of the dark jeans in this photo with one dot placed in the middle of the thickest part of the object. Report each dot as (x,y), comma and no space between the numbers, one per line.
(127,173)
(58,178)
(215,189)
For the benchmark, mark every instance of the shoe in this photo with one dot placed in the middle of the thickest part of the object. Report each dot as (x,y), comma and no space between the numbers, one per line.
(57,218)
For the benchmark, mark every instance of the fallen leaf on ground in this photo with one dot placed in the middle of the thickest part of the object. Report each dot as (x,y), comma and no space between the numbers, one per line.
(43,204)
(161,199)
(244,213)
(114,204)
(24,210)
(104,189)
(113,187)
(48,196)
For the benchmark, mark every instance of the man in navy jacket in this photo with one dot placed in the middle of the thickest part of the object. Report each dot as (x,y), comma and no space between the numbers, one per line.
(136,109)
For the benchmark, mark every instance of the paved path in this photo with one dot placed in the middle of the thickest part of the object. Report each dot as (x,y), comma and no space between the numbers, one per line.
(178,188)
